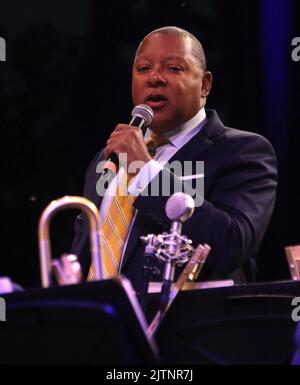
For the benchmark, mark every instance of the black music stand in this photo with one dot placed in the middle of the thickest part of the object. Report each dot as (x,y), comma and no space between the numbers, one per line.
(239,325)
(91,323)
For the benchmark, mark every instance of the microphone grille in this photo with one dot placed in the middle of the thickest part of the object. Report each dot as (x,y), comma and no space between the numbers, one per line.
(180,207)
(144,112)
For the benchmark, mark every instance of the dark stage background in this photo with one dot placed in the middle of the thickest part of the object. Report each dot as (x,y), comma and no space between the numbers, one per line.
(65,84)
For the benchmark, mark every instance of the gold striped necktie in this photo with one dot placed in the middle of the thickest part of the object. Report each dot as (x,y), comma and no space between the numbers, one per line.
(115,228)
(155,141)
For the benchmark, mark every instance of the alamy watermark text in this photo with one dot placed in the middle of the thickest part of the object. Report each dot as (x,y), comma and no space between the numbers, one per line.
(296,50)
(2,309)
(2,49)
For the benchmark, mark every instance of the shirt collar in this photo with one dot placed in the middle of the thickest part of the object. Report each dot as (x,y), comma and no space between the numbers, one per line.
(175,136)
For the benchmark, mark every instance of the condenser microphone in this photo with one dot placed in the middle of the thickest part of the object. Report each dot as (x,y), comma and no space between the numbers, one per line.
(141,117)
(179,208)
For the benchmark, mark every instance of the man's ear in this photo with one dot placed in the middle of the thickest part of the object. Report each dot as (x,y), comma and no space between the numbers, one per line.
(206,84)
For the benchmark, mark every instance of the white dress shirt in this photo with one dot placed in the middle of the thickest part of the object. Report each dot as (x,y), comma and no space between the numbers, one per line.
(176,140)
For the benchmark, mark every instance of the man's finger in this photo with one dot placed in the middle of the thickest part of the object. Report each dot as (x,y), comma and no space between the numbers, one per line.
(122,127)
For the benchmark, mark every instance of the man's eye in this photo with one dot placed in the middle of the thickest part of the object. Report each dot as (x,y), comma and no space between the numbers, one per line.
(175,68)
(143,69)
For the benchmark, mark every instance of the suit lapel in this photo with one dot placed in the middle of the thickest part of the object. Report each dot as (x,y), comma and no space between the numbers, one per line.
(200,142)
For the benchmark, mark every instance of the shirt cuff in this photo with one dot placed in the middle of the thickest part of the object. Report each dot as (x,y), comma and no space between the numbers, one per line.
(147,173)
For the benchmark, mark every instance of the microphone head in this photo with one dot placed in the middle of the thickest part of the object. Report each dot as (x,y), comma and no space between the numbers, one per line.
(180,207)
(144,112)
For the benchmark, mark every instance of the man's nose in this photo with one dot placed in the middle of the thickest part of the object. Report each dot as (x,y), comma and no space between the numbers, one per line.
(156,79)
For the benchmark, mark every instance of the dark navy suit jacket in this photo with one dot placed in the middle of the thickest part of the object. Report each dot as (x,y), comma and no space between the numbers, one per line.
(239,196)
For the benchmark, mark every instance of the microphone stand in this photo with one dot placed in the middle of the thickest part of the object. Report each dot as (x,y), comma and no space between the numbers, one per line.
(169,271)
(195,264)
(148,270)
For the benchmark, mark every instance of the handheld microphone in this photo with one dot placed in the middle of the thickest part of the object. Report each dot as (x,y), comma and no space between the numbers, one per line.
(141,117)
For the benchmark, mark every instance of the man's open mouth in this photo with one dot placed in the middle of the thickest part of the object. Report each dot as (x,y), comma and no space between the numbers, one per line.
(156,100)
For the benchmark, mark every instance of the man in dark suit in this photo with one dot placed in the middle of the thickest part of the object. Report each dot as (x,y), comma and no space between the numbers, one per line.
(240,175)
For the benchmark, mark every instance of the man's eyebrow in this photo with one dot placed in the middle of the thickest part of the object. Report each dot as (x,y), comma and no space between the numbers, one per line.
(142,57)
(168,58)
(175,57)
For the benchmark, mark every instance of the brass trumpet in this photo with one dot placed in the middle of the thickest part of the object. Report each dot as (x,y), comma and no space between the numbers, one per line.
(46,264)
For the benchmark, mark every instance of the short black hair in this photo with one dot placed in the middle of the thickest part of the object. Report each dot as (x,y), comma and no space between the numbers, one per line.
(197,49)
